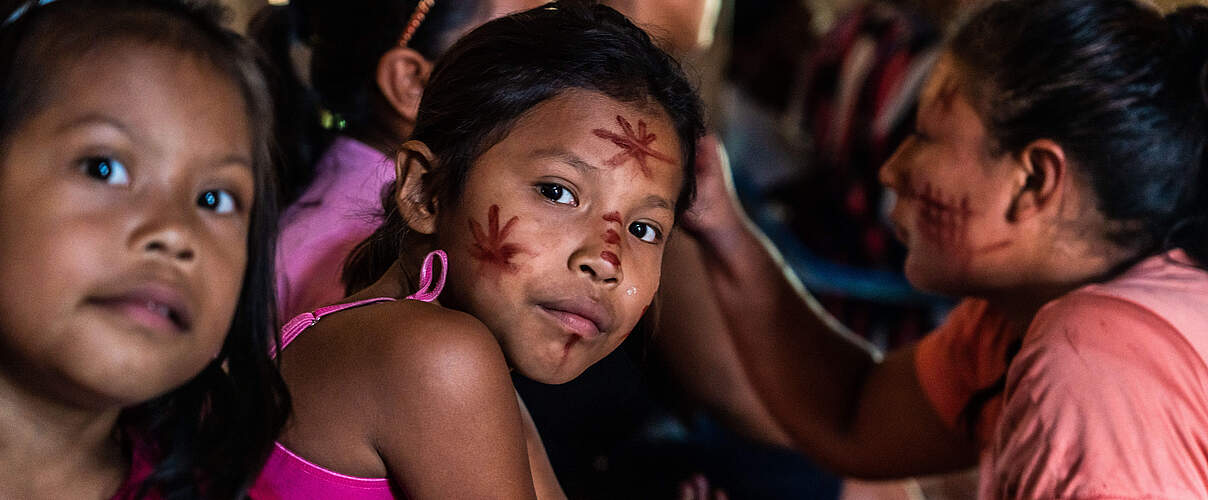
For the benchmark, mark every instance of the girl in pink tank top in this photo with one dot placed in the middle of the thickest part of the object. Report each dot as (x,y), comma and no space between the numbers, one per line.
(552,185)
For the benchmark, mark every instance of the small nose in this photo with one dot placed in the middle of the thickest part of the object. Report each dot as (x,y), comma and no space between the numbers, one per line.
(167,233)
(170,245)
(599,263)
(888,174)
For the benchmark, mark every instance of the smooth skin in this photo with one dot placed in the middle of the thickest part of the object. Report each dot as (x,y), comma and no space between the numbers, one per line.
(422,393)
(123,198)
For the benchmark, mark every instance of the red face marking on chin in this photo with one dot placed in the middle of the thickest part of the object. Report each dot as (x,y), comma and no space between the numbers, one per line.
(611,258)
(492,247)
(634,145)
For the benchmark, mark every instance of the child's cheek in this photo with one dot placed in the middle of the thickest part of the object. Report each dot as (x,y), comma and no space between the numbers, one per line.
(493,246)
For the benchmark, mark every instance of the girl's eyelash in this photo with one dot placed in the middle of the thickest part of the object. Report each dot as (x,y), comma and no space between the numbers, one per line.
(557,193)
(104,168)
(657,234)
(221,201)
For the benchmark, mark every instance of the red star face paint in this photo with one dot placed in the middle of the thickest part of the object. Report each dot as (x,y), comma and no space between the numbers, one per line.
(635,145)
(491,247)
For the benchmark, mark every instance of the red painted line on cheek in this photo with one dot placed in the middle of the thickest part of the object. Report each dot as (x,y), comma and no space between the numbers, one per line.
(994,247)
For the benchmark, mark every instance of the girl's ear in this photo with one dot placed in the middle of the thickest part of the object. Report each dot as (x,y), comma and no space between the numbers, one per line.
(401,75)
(1042,171)
(410,169)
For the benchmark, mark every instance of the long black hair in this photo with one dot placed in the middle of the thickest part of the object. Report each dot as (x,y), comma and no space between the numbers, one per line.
(210,436)
(1122,89)
(346,40)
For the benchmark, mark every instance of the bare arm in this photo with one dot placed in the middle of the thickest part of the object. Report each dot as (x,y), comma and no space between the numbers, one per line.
(449,424)
(842,402)
(544,478)
(694,344)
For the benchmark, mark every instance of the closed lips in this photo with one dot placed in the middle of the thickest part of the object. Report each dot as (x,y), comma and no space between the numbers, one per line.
(584,316)
(150,301)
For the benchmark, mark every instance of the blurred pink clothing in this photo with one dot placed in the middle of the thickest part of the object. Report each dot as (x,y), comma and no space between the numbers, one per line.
(341,208)
(141,468)
(1107,397)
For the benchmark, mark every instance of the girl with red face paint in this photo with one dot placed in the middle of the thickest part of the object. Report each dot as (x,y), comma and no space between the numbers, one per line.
(551,187)
(342,114)
(1055,182)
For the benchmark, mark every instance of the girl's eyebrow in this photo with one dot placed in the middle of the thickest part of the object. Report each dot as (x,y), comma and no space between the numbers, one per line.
(96,119)
(568,158)
(656,201)
(237,160)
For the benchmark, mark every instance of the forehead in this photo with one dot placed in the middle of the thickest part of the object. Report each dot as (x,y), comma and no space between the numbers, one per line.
(941,91)
(574,116)
(944,104)
(633,149)
(165,93)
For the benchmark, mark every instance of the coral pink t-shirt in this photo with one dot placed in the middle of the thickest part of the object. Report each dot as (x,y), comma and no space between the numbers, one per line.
(339,209)
(1107,397)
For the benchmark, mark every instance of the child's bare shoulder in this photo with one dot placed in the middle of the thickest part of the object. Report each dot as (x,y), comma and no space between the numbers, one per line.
(428,347)
(435,367)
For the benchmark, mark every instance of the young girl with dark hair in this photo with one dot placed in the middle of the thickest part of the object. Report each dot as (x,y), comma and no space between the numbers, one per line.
(369,63)
(550,160)
(1055,181)
(135,197)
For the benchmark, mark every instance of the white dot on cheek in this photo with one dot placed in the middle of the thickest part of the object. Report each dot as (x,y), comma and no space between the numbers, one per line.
(631,291)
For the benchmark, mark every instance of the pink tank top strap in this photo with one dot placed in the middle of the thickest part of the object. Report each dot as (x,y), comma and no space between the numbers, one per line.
(306,319)
(426,273)
(427,292)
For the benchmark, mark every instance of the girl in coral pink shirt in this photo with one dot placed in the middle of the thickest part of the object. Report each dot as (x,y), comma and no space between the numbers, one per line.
(1055,182)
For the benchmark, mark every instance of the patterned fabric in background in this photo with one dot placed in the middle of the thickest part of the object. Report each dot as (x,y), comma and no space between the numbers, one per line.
(853,104)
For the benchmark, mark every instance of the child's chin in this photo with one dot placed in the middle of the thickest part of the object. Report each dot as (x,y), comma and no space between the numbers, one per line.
(550,371)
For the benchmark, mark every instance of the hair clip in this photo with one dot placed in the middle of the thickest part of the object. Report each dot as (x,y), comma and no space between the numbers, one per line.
(25,7)
(417,17)
(331,121)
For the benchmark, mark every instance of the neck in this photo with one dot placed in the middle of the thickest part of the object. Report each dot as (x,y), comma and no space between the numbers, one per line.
(1059,273)
(43,441)
(396,282)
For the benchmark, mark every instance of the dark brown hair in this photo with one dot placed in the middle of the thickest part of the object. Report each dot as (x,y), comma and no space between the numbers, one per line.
(1117,85)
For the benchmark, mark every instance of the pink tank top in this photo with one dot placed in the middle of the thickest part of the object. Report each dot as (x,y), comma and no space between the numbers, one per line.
(287,475)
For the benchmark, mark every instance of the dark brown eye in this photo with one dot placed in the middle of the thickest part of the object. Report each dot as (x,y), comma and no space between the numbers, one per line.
(218,200)
(106,169)
(557,193)
(644,232)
